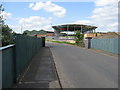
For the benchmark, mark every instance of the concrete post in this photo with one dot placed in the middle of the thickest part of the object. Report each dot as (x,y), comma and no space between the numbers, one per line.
(57,33)
(43,41)
(81,30)
(67,32)
(88,42)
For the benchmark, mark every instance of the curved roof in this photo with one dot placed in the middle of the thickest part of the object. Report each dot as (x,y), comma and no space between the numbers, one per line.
(74,27)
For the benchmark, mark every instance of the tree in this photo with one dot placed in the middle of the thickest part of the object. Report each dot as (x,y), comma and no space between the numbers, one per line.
(79,38)
(1,23)
(1,16)
(24,33)
(34,32)
(6,35)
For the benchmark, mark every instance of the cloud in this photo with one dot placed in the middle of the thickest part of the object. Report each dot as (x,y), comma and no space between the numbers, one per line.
(6,15)
(31,5)
(105,15)
(38,6)
(15,28)
(105,2)
(57,11)
(112,27)
(35,23)
(87,22)
(35,20)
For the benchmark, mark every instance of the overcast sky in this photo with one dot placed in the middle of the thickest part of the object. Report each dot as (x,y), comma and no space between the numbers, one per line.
(41,15)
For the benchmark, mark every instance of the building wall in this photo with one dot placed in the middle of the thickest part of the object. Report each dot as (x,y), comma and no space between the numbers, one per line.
(57,34)
(90,35)
(50,34)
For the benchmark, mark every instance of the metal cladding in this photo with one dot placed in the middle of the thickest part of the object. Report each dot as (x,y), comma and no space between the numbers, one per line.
(110,44)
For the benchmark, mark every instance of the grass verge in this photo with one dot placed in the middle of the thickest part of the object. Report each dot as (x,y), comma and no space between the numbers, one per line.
(63,42)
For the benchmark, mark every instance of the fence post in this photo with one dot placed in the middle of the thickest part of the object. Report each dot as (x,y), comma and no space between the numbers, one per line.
(43,41)
(88,42)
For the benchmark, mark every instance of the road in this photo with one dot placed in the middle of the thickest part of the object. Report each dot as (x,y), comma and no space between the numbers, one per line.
(82,68)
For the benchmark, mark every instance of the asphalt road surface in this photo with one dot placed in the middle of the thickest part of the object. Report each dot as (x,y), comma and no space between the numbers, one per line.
(83,68)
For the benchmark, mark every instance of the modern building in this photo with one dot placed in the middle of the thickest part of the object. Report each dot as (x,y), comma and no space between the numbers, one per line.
(72,27)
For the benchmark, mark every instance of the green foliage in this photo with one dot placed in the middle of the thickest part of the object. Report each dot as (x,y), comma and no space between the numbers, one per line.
(24,33)
(7,35)
(63,42)
(1,17)
(79,39)
(34,32)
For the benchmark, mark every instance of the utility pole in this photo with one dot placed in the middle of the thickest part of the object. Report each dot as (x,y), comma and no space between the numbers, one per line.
(21,29)
(81,29)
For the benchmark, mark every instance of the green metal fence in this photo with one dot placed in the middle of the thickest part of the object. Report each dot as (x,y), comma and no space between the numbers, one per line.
(8,66)
(109,45)
(26,48)
(15,58)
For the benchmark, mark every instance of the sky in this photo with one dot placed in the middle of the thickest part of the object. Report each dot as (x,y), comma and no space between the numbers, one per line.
(42,15)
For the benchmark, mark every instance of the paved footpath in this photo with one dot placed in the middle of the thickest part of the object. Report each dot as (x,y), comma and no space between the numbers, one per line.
(41,73)
(84,68)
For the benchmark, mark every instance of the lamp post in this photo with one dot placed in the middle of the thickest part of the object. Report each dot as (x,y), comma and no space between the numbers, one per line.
(81,29)
(21,29)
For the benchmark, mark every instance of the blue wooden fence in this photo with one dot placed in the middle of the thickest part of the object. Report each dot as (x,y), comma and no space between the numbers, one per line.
(16,58)
(109,45)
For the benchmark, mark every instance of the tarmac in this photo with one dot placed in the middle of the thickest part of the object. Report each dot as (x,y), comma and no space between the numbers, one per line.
(41,73)
(83,68)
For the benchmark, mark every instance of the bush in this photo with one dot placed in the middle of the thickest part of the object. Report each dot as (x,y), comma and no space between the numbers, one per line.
(7,35)
(79,39)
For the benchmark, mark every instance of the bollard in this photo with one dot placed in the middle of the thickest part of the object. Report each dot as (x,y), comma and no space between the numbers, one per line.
(88,42)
